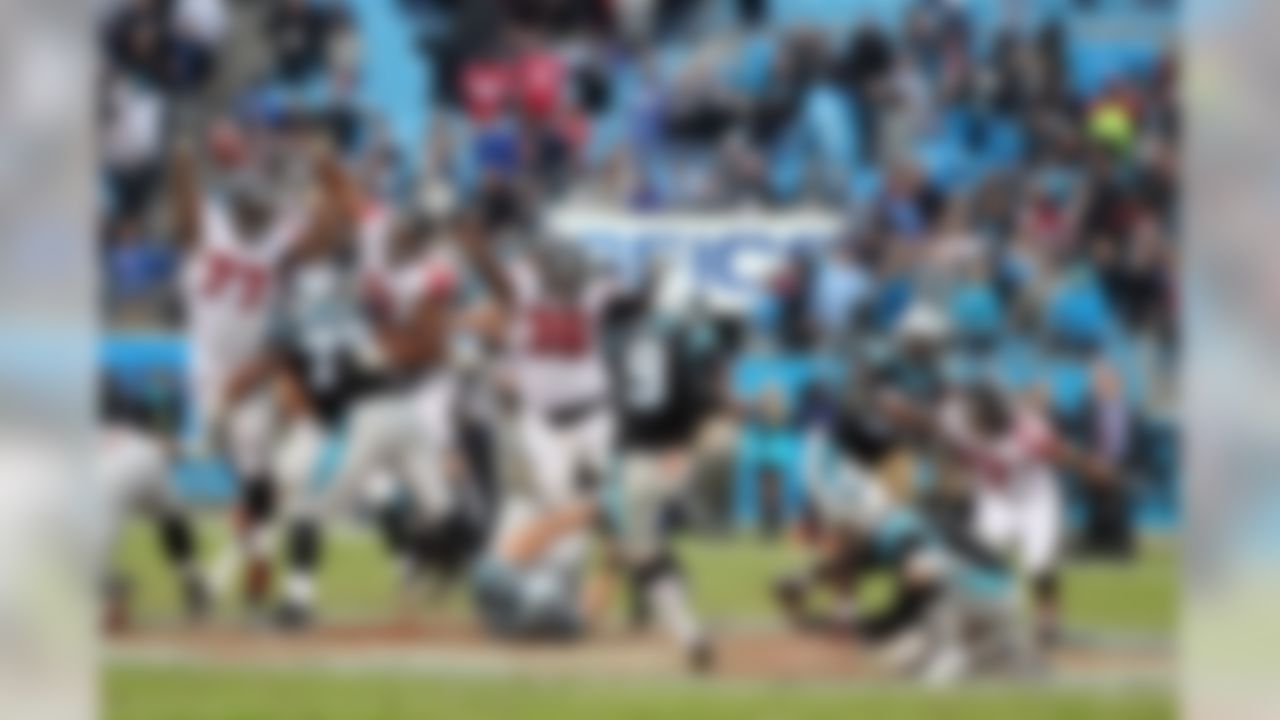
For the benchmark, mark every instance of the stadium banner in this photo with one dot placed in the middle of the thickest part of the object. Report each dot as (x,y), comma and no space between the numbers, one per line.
(721,258)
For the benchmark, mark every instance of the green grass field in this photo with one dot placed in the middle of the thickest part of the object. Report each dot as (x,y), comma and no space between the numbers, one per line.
(206,694)
(730,577)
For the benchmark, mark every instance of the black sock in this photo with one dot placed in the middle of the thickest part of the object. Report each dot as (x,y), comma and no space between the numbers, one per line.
(177,539)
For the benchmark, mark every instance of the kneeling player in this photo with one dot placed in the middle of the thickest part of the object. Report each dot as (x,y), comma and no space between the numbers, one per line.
(1013,457)
(953,611)
(536,582)
(134,465)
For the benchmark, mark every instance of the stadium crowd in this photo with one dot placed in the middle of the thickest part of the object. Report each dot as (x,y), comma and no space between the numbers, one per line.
(1038,218)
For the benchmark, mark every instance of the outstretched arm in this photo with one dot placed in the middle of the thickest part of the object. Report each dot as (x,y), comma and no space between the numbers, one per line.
(533,540)
(1090,466)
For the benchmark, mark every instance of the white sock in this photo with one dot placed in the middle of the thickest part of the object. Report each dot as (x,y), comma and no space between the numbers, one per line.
(225,569)
(300,589)
(671,605)
(260,543)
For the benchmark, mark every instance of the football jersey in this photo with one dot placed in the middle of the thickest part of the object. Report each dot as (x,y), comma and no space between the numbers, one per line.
(658,398)
(1013,462)
(229,287)
(391,288)
(554,346)
(862,438)
(324,340)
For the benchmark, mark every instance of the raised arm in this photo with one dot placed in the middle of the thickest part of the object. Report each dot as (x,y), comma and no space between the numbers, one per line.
(336,206)
(339,192)
(185,194)
(477,246)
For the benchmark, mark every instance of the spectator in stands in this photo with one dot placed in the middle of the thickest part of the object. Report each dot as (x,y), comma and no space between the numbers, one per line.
(204,21)
(342,114)
(840,290)
(910,204)
(793,299)
(1135,277)
(299,32)
(139,266)
(768,492)
(198,30)
(961,151)
(135,41)
(1109,427)
(865,67)
(134,114)
(344,42)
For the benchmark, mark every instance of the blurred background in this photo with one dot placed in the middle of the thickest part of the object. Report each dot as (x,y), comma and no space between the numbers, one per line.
(1013,163)
(935,191)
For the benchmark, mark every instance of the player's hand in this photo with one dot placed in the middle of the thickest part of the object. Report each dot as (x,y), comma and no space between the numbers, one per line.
(1097,471)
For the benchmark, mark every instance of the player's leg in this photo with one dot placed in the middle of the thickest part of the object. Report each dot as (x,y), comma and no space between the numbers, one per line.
(121,467)
(836,571)
(392,516)
(431,518)
(376,432)
(250,436)
(996,630)
(547,460)
(914,633)
(304,546)
(950,656)
(650,481)
(178,539)
(142,472)
(593,449)
(297,464)
(662,578)
(1039,545)
(428,460)
(431,524)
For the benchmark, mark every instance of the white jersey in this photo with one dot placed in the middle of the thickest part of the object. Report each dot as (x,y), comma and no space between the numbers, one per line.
(229,286)
(1015,463)
(398,286)
(373,241)
(1018,502)
(555,354)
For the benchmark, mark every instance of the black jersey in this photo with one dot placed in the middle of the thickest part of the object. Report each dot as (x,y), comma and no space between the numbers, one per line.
(659,385)
(323,339)
(862,437)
